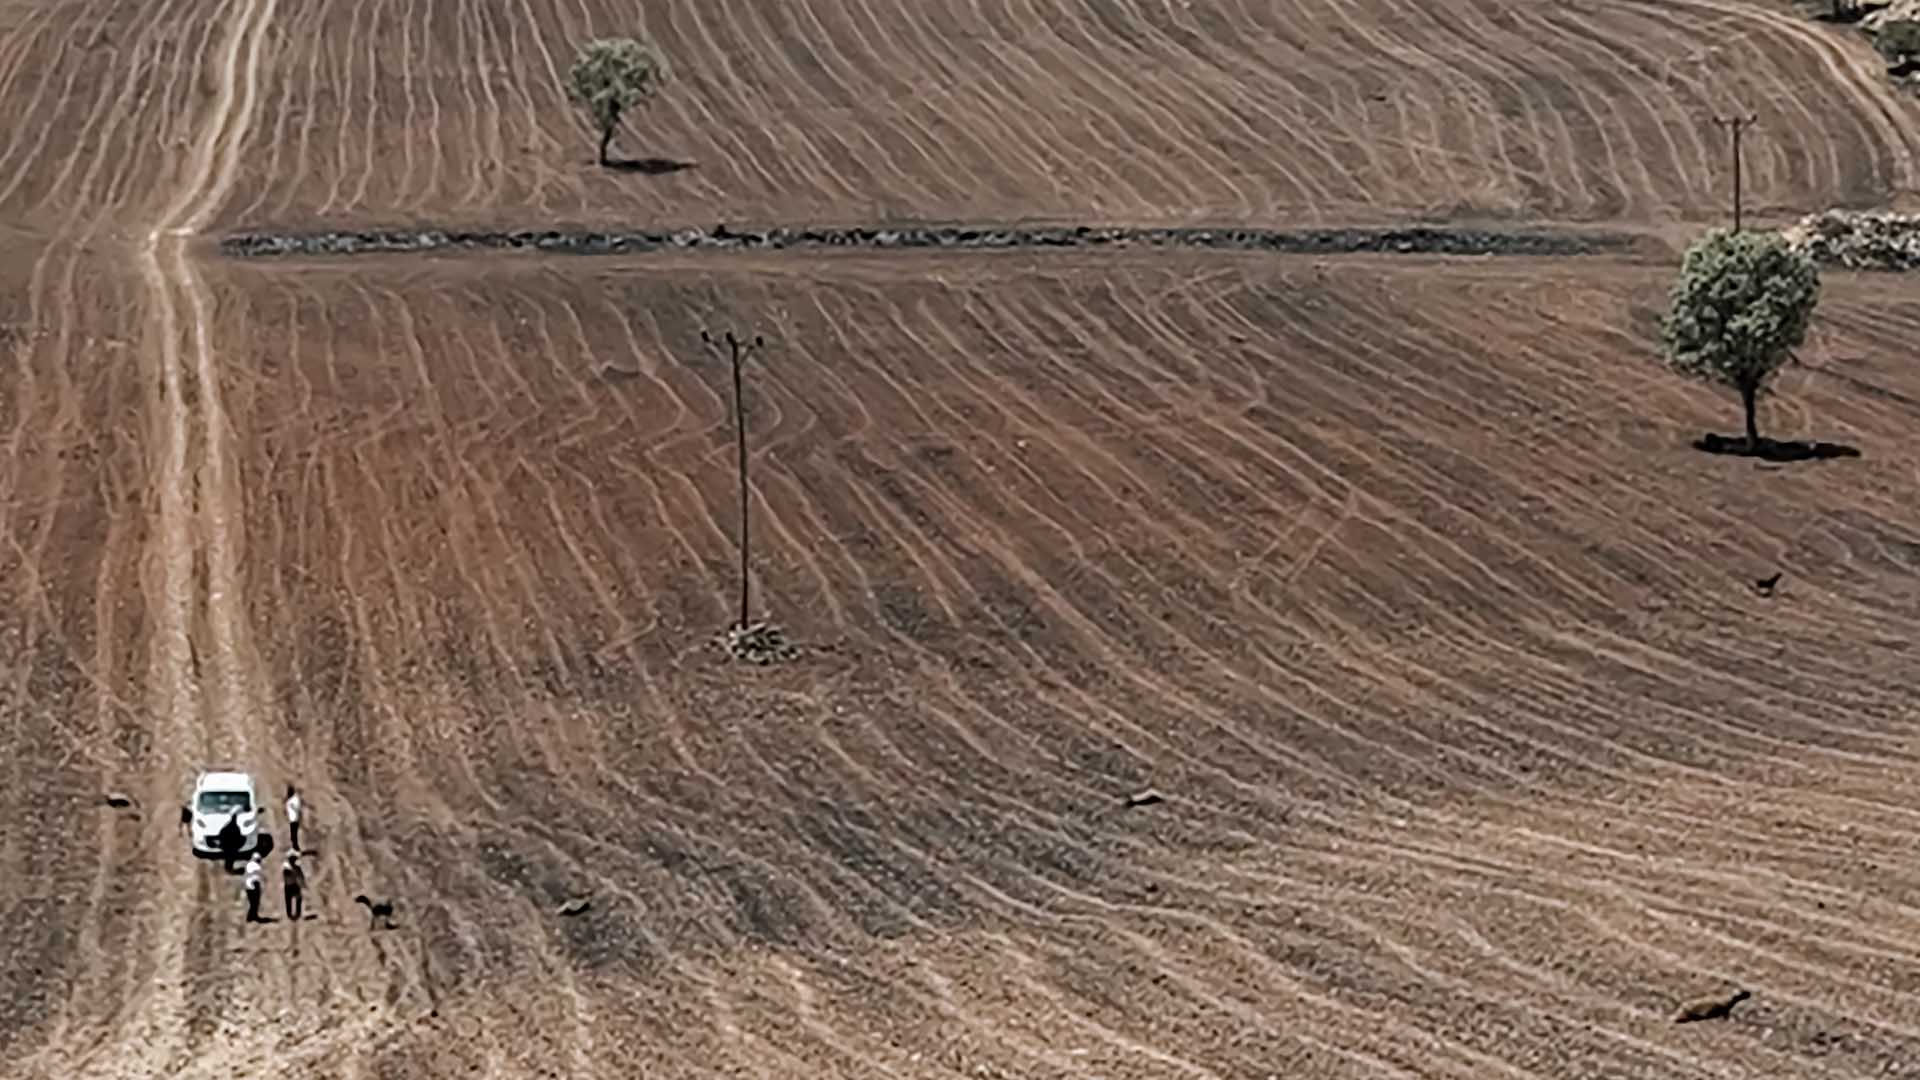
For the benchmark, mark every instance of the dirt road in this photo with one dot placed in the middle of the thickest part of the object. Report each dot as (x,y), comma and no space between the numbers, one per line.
(1396,576)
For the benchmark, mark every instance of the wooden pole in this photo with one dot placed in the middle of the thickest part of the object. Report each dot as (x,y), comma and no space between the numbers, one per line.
(737,351)
(1734,125)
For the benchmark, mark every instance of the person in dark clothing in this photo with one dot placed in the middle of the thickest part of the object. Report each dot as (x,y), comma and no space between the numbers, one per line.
(295,881)
(230,839)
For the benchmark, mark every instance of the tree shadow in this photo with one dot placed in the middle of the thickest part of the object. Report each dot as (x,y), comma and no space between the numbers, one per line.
(1773,449)
(653,166)
(1850,16)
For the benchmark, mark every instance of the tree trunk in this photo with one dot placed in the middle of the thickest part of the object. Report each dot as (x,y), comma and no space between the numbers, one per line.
(1747,396)
(606,140)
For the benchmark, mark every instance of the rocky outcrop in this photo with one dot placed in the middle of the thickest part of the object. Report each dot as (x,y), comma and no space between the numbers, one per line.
(1857,240)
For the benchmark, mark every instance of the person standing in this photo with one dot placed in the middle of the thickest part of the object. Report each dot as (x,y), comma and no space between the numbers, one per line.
(253,888)
(293,817)
(295,880)
(231,839)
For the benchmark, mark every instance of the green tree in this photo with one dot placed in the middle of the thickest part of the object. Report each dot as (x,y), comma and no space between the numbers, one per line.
(1899,41)
(1741,306)
(610,77)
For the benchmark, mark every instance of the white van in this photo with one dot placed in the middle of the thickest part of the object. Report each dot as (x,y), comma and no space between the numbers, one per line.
(220,798)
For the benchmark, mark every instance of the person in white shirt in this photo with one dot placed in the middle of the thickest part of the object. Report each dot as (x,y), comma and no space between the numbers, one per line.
(253,888)
(293,817)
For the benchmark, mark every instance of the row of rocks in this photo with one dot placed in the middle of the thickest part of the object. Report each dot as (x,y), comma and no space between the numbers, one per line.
(1859,240)
(1415,240)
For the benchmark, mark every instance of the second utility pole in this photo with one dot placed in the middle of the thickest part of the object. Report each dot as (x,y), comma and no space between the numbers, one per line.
(739,350)
(1735,124)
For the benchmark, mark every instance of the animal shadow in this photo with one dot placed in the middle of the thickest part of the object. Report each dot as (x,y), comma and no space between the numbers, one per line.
(1774,450)
(653,166)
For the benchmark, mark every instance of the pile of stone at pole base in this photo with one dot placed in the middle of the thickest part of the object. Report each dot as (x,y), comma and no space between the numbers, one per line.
(1859,240)
(759,643)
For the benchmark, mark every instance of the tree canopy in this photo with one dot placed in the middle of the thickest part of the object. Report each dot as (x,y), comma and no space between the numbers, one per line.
(1741,305)
(610,77)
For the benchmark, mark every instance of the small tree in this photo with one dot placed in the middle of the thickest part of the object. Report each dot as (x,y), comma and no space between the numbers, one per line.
(1741,306)
(610,77)
(1899,41)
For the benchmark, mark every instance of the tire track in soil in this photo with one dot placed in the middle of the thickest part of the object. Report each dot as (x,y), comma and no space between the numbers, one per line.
(192,577)
(520,755)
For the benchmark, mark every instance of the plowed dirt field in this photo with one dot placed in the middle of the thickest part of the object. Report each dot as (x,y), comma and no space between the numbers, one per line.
(1395,576)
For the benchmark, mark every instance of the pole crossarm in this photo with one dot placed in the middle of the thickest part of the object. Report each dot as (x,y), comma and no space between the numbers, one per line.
(1735,124)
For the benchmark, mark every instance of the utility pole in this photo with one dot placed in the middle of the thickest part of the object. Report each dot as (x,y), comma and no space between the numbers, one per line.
(1735,124)
(737,351)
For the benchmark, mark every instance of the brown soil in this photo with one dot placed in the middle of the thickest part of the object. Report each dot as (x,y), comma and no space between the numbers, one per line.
(1398,578)
(1179,110)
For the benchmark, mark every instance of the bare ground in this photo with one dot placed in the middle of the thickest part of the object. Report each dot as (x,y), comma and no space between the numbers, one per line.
(1401,581)
(1397,577)
(843,112)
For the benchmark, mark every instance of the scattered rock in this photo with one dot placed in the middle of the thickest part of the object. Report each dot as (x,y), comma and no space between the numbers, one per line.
(575,906)
(1716,1007)
(1410,240)
(119,800)
(1859,240)
(759,643)
(1145,798)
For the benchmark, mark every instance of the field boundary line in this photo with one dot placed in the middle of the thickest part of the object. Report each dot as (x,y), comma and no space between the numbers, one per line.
(1389,240)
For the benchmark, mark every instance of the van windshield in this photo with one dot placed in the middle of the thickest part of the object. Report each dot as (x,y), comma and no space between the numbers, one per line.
(222,802)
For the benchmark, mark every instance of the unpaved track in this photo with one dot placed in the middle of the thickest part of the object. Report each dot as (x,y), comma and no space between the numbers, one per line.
(1397,577)
(193,591)
(199,1000)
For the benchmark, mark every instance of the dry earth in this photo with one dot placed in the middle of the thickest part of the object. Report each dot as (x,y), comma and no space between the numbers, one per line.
(855,110)
(1396,576)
